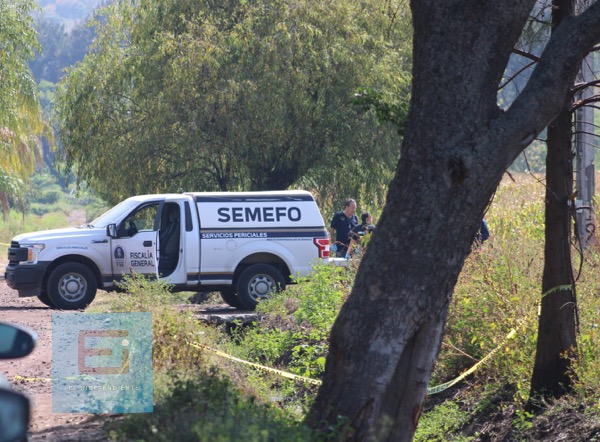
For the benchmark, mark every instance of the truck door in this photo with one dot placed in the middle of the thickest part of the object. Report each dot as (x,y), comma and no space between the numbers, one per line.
(135,249)
(171,259)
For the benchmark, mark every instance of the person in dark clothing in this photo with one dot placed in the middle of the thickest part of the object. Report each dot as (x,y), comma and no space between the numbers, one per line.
(485,231)
(358,232)
(483,234)
(364,228)
(342,223)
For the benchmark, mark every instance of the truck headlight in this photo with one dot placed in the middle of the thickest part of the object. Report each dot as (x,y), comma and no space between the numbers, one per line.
(33,251)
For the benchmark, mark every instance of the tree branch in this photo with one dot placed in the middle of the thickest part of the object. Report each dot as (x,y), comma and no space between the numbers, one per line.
(545,94)
(581,86)
(587,102)
(525,54)
(512,77)
(589,123)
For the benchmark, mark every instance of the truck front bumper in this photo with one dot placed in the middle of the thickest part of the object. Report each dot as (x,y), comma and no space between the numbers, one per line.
(26,279)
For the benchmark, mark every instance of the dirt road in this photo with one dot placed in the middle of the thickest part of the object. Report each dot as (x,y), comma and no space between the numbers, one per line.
(31,374)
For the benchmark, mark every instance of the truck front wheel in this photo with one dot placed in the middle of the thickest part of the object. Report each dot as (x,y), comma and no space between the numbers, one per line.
(257,282)
(71,286)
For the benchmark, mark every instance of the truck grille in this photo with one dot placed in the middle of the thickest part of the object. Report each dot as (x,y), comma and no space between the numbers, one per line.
(16,253)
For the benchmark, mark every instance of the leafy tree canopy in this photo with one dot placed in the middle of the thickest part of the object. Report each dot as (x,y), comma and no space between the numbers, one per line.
(226,95)
(21,118)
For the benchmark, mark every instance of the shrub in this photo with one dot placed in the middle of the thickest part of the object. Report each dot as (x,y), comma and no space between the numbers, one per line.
(440,422)
(206,406)
(295,324)
(172,328)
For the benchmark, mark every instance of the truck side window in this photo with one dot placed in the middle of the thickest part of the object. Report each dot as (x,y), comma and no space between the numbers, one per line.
(140,220)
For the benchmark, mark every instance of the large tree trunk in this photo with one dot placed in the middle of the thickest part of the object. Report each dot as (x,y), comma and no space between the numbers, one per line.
(457,146)
(557,335)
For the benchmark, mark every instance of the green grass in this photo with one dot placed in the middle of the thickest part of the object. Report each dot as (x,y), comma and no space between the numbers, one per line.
(446,418)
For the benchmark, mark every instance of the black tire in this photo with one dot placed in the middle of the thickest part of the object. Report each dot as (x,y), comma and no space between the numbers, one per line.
(71,286)
(43,297)
(231,298)
(257,282)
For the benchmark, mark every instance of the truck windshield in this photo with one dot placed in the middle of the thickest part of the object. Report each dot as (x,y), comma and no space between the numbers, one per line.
(115,214)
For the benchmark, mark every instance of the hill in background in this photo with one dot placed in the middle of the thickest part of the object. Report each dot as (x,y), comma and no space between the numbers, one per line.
(68,12)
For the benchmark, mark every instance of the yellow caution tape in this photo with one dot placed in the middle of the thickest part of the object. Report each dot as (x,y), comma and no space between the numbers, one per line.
(261,367)
(558,288)
(4,244)
(21,378)
(430,391)
(200,346)
(510,335)
(446,385)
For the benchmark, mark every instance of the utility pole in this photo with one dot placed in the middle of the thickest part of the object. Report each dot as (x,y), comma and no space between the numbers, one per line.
(584,145)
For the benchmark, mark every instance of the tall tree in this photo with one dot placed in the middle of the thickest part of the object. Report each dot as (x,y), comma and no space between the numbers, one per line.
(233,95)
(557,335)
(21,117)
(457,145)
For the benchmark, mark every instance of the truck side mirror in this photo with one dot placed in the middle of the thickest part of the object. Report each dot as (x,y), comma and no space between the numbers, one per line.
(15,342)
(111,230)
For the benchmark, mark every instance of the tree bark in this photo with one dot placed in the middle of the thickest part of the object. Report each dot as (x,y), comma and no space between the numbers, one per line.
(456,148)
(557,336)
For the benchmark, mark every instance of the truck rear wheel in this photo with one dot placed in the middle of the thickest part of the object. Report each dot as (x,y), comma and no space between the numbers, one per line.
(231,298)
(71,286)
(257,282)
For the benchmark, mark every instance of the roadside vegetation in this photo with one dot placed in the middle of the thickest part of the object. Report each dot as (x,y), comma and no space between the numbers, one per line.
(200,395)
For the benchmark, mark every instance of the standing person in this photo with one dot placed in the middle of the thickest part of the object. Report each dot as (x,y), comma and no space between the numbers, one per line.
(343,222)
(482,235)
(361,230)
(365,227)
(485,231)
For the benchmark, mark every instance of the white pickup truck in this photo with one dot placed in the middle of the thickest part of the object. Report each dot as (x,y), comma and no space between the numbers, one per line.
(243,244)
